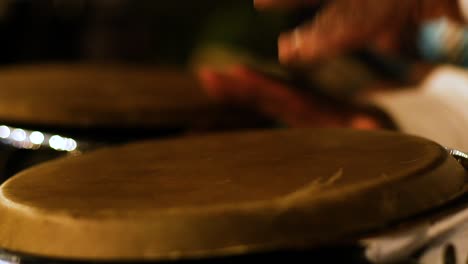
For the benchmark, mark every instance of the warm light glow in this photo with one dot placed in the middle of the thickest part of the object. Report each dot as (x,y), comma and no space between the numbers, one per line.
(36,137)
(71,145)
(7,262)
(4,132)
(26,139)
(18,134)
(6,258)
(57,142)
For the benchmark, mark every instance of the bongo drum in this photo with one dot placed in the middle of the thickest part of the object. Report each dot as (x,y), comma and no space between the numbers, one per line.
(288,195)
(59,108)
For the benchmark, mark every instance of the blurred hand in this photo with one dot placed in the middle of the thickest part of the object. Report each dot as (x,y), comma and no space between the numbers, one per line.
(241,86)
(339,26)
(342,25)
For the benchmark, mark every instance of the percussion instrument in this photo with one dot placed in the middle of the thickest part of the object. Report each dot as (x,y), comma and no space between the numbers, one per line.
(57,108)
(315,195)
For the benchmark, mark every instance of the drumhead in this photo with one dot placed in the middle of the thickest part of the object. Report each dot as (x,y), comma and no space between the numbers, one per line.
(107,95)
(226,194)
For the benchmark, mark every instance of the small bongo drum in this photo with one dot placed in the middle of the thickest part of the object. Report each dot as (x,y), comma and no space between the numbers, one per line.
(59,108)
(287,195)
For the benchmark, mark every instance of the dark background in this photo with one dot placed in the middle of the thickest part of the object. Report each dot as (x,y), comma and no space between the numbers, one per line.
(143,31)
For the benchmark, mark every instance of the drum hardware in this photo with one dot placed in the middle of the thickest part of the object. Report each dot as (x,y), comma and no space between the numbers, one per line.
(420,240)
(430,241)
(460,156)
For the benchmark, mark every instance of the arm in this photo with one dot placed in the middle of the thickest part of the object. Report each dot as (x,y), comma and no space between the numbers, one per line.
(437,110)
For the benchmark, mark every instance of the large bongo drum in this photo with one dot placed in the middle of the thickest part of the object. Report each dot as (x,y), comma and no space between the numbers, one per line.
(288,195)
(60,108)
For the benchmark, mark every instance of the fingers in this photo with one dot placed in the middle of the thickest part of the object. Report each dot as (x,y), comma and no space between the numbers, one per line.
(242,86)
(210,82)
(223,87)
(364,122)
(264,4)
(271,97)
(339,27)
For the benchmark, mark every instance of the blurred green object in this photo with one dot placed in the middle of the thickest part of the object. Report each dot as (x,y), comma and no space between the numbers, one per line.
(238,25)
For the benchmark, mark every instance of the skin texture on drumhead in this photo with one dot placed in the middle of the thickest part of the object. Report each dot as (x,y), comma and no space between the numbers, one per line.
(83,95)
(223,194)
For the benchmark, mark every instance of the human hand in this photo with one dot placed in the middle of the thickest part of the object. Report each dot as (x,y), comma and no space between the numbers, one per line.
(240,85)
(343,25)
